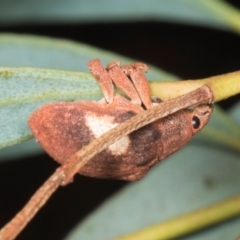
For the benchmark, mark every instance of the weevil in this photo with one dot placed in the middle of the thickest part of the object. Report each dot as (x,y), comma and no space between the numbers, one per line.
(63,128)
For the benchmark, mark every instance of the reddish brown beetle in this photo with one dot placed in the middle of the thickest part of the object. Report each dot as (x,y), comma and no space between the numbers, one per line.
(65,127)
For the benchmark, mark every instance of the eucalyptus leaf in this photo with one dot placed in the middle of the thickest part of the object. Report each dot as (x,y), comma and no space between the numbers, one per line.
(23,89)
(18,50)
(202,12)
(193,178)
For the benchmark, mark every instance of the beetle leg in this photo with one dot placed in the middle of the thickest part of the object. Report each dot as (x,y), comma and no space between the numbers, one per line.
(135,72)
(123,82)
(103,79)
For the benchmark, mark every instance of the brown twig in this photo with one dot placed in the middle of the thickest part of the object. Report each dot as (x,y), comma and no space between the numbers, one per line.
(66,172)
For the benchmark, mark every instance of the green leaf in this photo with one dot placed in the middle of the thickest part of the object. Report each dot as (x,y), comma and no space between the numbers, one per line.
(195,177)
(22,90)
(216,13)
(17,50)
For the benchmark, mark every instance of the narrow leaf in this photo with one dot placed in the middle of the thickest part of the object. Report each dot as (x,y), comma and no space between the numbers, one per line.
(217,14)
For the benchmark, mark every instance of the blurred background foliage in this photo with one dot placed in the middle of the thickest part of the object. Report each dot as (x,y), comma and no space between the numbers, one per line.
(189,39)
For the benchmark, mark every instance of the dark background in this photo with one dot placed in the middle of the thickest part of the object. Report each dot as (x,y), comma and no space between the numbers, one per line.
(187,51)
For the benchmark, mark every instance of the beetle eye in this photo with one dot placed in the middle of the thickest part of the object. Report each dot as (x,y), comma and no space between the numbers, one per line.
(195,122)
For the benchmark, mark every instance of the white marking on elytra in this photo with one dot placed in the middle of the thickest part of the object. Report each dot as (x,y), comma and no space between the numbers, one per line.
(101,124)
